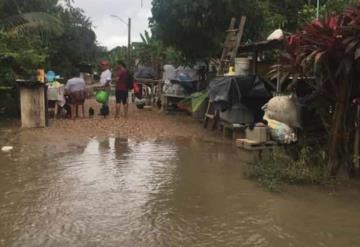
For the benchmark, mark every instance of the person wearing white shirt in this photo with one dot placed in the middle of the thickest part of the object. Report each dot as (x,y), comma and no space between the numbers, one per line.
(106,76)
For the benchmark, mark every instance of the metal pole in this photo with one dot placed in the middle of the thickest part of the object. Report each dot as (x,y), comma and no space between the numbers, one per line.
(129,42)
(318,10)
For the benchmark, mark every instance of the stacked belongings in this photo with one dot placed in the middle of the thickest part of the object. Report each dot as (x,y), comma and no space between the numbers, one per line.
(283,116)
(142,73)
(239,98)
(181,82)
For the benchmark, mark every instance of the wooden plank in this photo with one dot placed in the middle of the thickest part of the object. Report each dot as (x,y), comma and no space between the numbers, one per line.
(232,26)
(252,145)
(255,62)
(239,36)
(209,116)
(232,30)
(33,107)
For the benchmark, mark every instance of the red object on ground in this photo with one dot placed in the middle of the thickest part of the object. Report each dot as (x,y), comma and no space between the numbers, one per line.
(137,90)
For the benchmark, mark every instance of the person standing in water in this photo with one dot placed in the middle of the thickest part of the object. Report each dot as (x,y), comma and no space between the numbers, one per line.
(105,77)
(122,88)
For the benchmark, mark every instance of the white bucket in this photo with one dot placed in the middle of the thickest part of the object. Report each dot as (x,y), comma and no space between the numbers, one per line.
(242,65)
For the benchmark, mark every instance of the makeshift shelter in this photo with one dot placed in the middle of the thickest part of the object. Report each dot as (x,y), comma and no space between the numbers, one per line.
(256,48)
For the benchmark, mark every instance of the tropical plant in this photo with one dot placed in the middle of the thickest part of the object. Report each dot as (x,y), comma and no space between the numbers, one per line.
(308,12)
(44,32)
(330,50)
(30,22)
(19,17)
(118,53)
(152,52)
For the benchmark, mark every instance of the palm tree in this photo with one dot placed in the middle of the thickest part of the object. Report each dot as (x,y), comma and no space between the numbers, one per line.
(30,22)
(150,51)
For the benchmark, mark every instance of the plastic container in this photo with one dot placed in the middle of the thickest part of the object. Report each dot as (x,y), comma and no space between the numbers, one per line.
(257,134)
(50,76)
(242,65)
(40,75)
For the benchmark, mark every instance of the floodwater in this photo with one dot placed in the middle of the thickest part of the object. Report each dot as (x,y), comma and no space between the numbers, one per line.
(120,192)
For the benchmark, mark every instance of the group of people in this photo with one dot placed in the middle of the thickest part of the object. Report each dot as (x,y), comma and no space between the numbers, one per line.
(75,88)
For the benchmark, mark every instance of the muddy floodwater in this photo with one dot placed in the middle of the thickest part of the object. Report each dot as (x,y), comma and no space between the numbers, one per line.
(182,192)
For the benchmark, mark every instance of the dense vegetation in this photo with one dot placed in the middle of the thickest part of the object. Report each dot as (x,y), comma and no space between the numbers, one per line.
(197,28)
(43,33)
(55,34)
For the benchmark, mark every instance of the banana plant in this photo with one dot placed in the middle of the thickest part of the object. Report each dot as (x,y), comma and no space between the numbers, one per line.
(30,22)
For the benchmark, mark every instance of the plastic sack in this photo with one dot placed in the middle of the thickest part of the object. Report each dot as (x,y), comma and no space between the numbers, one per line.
(185,74)
(102,97)
(184,77)
(283,109)
(280,132)
(169,72)
(278,34)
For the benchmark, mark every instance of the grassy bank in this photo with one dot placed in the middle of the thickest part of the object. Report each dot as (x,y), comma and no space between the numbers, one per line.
(294,165)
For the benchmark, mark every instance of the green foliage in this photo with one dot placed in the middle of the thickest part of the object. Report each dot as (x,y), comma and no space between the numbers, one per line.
(307,167)
(76,45)
(18,57)
(308,11)
(152,52)
(197,28)
(118,53)
(329,49)
(43,32)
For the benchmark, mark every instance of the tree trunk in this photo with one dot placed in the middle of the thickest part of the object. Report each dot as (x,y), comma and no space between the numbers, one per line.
(339,154)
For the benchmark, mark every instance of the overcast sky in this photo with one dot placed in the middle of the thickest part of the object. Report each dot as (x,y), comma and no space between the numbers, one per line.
(112,32)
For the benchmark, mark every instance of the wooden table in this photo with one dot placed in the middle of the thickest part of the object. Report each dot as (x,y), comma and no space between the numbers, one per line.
(171,98)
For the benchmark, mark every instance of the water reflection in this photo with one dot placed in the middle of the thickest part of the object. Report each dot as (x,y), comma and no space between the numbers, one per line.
(121,148)
(120,192)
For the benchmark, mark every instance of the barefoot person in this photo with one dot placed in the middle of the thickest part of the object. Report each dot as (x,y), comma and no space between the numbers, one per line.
(75,89)
(122,90)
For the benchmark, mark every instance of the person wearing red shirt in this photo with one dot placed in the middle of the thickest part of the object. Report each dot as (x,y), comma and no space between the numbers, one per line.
(122,90)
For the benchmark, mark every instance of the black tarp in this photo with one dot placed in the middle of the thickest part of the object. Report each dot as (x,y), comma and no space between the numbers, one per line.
(145,73)
(249,91)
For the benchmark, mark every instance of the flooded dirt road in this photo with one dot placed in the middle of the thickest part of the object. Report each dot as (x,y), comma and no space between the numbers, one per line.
(184,192)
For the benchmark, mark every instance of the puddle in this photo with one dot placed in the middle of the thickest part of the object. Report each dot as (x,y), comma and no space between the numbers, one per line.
(120,192)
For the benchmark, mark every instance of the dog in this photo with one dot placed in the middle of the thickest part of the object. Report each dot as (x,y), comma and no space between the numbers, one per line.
(104,111)
(91,112)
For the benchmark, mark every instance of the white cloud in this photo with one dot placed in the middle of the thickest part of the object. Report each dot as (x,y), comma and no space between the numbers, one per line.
(110,31)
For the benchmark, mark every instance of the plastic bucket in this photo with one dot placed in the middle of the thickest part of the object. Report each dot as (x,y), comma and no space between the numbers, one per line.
(242,65)
(102,97)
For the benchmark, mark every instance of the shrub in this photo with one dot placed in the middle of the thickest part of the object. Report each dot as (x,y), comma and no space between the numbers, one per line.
(308,167)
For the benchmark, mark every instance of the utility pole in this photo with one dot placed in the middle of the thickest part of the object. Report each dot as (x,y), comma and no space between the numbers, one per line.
(128,24)
(129,42)
(318,10)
